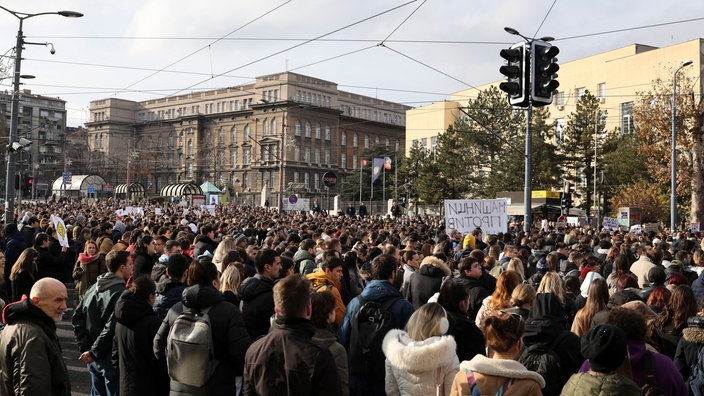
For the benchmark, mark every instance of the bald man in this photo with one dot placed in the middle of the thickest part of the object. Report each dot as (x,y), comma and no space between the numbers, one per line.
(30,355)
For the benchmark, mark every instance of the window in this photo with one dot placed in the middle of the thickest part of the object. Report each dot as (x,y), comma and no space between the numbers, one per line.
(601,88)
(189,148)
(327,156)
(245,180)
(317,130)
(233,135)
(354,162)
(560,130)
(306,155)
(233,158)
(245,156)
(221,135)
(265,127)
(273,126)
(297,128)
(366,141)
(343,138)
(398,145)
(246,134)
(343,160)
(355,140)
(327,132)
(220,160)
(190,171)
(317,156)
(171,139)
(308,129)
(306,179)
(387,143)
(316,181)
(296,177)
(581,92)
(433,143)
(560,98)
(627,118)
(161,142)
(296,153)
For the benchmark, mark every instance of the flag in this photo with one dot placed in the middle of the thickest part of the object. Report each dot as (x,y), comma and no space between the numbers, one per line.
(387,163)
(377,164)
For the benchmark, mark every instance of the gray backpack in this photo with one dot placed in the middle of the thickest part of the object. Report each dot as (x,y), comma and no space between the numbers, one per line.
(189,349)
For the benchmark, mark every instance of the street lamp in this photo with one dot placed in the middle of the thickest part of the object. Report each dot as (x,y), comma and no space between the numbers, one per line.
(14,115)
(673,181)
(527,193)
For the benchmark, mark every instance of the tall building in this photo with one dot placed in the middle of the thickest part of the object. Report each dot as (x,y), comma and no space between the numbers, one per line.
(243,137)
(42,120)
(615,77)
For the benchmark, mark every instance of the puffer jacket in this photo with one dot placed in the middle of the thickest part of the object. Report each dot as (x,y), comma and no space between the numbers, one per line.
(687,354)
(137,324)
(287,362)
(257,296)
(93,321)
(585,384)
(32,363)
(417,367)
(320,283)
(327,339)
(491,374)
(426,281)
(305,262)
(230,340)
(168,293)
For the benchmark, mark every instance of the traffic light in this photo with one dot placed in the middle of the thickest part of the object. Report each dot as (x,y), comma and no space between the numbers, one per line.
(28,180)
(566,202)
(543,68)
(607,204)
(516,71)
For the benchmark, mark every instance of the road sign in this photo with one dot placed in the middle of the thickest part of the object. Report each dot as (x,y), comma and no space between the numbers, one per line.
(329,179)
(292,199)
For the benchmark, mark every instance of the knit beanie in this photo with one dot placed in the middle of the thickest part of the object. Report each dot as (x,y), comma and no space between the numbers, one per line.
(605,347)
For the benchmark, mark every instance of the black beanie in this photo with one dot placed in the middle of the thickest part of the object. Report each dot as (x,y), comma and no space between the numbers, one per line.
(605,347)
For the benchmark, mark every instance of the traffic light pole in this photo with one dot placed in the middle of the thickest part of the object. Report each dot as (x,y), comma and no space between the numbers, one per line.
(527,191)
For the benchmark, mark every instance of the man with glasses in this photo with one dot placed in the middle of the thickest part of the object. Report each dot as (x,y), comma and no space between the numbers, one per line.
(94,326)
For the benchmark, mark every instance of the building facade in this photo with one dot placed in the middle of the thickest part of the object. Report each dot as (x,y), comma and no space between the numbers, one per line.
(243,137)
(615,77)
(42,120)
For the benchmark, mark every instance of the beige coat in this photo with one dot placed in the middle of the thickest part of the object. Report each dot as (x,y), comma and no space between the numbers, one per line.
(490,374)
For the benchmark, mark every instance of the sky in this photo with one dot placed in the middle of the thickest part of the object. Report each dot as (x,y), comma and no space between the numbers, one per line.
(411,52)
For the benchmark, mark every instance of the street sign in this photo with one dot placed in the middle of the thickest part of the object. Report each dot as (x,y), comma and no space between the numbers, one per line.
(292,199)
(329,179)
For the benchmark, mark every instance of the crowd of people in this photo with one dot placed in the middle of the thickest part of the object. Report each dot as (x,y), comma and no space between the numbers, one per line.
(309,304)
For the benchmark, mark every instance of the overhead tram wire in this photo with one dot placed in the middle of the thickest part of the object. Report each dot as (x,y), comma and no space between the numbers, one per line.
(206,46)
(544,18)
(428,66)
(300,44)
(404,21)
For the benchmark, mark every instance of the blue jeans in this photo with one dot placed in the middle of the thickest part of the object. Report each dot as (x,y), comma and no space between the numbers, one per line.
(104,378)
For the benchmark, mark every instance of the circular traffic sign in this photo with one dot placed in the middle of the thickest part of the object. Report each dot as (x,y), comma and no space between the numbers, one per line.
(292,199)
(329,179)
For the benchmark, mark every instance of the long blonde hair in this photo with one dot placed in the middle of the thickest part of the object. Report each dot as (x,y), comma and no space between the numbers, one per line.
(515,264)
(425,322)
(552,283)
(230,279)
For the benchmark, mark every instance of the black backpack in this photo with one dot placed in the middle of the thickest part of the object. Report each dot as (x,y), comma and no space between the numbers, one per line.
(542,359)
(369,326)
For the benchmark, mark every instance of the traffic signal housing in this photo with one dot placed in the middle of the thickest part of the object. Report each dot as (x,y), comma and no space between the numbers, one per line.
(566,202)
(516,70)
(607,204)
(543,72)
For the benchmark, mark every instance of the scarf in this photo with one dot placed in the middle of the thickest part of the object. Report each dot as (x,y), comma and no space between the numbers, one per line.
(85,259)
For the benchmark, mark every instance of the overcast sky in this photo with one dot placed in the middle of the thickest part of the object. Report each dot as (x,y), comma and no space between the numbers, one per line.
(413,52)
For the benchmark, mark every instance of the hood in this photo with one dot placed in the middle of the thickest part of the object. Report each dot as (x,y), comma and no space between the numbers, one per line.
(543,330)
(254,286)
(379,290)
(302,254)
(501,368)
(591,275)
(694,335)
(163,259)
(201,296)
(431,265)
(407,354)
(23,309)
(130,308)
(546,305)
(167,284)
(16,235)
(107,281)
(319,277)
(324,337)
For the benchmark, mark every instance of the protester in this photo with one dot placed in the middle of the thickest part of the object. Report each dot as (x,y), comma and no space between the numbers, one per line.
(323,305)
(257,293)
(89,266)
(24,273)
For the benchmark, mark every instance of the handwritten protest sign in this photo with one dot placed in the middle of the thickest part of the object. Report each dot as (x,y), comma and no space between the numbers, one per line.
(466,215)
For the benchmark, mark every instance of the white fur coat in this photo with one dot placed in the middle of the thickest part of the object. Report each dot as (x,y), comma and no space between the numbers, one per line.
(416,367)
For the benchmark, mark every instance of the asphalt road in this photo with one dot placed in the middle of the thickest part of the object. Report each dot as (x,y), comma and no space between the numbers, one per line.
(80,379)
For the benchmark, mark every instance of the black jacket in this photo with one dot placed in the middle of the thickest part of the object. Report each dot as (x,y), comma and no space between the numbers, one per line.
(204,243)
(257,296)
(470,340)
(687,353)
(426,281)
(168,293)
(230,340)
(477,293)
(143,265)
(137,324)
(50,265)
(287,362)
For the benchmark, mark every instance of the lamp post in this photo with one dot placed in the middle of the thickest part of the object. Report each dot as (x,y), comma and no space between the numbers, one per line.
(673,176)
(527,192)
(14,115)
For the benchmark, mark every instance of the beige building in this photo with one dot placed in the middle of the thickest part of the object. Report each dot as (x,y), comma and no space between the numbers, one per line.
(232,136)
(615,77)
